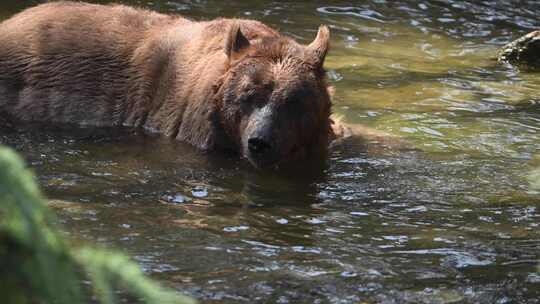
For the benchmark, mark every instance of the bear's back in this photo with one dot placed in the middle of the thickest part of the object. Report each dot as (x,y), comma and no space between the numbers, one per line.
(71,62)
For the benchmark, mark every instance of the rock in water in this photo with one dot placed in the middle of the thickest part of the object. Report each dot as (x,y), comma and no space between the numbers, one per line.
(523,51)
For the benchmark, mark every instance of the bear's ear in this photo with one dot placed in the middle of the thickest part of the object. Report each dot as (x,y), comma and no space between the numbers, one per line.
(316,51)
(236,43)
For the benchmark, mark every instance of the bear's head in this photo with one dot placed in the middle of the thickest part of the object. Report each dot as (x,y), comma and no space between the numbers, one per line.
(275,104)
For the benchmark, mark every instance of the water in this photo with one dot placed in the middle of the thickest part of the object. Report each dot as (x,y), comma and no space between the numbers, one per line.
(450,219)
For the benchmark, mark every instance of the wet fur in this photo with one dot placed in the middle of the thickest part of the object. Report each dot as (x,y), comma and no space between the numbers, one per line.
(107,66)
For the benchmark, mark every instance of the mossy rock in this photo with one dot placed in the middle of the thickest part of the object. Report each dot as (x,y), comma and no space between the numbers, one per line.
(523,51)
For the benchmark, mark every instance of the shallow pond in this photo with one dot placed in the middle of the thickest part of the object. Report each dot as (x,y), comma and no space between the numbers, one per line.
(451,219)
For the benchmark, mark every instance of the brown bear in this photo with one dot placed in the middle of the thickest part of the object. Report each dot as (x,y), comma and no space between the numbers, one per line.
(226,84)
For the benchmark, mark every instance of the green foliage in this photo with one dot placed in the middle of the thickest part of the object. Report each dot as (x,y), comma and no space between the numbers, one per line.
(37,265)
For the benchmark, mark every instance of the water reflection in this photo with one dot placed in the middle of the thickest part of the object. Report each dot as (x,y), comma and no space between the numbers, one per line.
(451,218)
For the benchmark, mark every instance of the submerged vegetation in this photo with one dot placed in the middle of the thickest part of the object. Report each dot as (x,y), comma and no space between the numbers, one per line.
(38,265)
(534,178)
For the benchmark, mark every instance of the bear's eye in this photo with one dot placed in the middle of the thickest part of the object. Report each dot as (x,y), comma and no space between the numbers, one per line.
(295,106)
(248,100)
(247,95)
(297,98)
(294,101)
(254,96)
(249,92)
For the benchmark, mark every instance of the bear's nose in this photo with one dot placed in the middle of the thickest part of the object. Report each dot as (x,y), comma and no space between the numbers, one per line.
(257,145)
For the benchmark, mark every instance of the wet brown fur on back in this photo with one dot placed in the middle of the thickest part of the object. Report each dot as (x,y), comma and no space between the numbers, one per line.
(222,84)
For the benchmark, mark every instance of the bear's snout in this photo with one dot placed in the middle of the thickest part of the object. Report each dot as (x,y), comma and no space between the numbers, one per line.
(262,152)
(260,143)
(258,146)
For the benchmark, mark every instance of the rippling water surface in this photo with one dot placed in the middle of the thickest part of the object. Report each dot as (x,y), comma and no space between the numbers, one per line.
(451,219)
